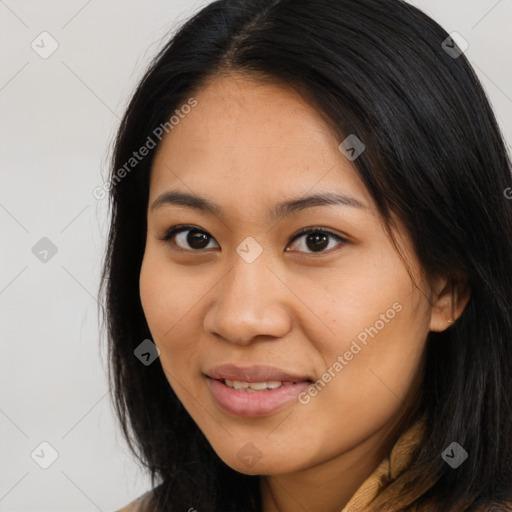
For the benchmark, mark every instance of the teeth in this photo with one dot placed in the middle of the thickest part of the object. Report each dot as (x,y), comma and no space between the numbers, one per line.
(237,384)
(253,386)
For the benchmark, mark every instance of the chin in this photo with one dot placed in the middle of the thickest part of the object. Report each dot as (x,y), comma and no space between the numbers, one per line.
(264,465)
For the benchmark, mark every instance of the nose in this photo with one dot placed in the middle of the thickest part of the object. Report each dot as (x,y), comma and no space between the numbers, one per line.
(251,301)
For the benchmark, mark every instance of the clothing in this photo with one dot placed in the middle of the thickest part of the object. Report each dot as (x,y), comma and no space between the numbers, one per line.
(388,470)
(138,504)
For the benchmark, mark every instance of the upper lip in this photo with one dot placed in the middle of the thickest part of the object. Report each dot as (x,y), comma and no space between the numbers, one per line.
(254,373)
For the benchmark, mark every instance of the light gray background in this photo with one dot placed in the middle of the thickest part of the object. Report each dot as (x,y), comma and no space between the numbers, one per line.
(57,119)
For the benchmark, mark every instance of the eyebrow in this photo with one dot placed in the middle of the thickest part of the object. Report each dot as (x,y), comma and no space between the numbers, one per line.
(284,209)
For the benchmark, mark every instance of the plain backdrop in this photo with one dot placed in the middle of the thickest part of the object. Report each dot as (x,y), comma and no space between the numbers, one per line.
(57,118)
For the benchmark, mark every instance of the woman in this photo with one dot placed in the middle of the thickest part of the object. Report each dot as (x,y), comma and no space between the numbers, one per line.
(308,280)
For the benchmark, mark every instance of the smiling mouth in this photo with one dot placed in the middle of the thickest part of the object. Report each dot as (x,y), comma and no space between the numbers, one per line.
(256,390)
(253,399)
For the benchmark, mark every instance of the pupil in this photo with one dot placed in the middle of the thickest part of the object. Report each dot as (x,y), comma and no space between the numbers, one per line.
(197,239)
(319,240)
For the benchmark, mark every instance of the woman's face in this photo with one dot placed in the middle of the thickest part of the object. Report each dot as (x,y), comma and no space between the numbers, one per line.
(240,295)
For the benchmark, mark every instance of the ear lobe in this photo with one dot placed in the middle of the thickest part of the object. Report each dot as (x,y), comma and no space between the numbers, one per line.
(449,304)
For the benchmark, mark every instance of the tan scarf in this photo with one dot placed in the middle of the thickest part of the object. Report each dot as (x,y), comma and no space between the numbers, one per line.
(366,498)
(388,470)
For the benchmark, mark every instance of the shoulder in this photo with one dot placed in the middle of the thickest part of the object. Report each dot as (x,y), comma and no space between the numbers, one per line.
(138,505)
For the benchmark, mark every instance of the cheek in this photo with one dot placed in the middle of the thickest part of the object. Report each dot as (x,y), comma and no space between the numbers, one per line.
(153,293)
(379,364)
(348,300)
(163,297)
(377,324)
(368,387)
(171,305)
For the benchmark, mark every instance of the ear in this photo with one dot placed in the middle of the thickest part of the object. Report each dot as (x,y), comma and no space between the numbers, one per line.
(449,300)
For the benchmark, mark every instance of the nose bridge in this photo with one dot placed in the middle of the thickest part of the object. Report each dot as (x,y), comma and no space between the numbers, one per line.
(250,276)
(249,302)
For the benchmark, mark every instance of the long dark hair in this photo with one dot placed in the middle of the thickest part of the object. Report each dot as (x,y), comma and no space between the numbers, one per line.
(434,156)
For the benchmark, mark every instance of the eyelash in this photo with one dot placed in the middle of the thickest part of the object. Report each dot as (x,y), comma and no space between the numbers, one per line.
(306,231)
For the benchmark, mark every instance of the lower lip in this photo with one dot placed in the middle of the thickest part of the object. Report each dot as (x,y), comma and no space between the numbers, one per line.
(259,403)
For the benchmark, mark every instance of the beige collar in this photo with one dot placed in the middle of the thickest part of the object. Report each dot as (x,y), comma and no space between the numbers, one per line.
(388,470)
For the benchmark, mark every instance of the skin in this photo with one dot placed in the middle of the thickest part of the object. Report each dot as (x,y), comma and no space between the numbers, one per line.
(248,146)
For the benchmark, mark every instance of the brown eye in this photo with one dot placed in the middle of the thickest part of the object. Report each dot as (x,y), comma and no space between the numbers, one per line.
(317,240)
(188,238)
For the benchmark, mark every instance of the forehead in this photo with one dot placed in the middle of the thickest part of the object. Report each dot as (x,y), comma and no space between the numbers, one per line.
(249,139)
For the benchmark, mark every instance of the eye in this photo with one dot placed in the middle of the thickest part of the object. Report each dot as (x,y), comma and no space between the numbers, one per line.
(317,239)
(196,238)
